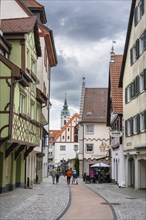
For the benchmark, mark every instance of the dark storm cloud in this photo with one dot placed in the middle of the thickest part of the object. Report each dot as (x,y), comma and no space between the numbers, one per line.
(86,20)
(64,79)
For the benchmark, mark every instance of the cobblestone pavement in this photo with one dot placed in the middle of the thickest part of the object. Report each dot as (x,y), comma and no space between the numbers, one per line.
(48,202)
(45,201)
(127,203)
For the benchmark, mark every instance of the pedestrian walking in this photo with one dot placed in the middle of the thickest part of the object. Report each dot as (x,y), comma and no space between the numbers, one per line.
(57,176)
(84,177)
(53,174)
(74,177)
(68,174)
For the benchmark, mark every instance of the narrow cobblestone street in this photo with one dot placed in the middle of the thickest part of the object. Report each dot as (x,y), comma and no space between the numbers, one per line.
(44,201)
(49,202)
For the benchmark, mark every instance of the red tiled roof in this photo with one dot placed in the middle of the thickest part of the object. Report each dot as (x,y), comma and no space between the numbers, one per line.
(52,134)
(95,105)
(117,94)
(18,25)
(32,4)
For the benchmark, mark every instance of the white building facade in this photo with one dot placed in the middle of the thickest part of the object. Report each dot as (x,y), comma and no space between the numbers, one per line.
(64,144)
(93,133)
(133,80)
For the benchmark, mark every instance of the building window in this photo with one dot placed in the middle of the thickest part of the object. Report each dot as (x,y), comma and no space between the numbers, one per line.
(28,58)
(68,129)
(68,137)
(132,90)
(129,127)
(38,113)
(33,65)
(128,94)
(136,124)
(141,44)
(90,129)
(63,137)
(133,54)
(22,103)
(1,52)
(62,148)
(32,109)
(89,148)
(138,48)
(139,11)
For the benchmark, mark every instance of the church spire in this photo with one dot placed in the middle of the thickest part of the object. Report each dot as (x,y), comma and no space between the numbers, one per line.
(65,107)
(82,98)
(65,114)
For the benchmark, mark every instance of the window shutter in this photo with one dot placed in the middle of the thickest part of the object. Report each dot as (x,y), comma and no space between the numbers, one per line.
(138,123)
(142,7)
(126,128)
(131,56)
(126,95)
(130,91)
(145,120)
(131,126)
(135,16)
(145,79)
(137,48)
(144,38)
(133,89)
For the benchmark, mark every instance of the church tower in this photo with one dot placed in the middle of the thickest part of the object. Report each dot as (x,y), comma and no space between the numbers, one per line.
(65,114)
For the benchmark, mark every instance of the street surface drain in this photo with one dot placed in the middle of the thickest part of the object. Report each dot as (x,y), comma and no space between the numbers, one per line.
(40,194)
(113,203)
(131,198)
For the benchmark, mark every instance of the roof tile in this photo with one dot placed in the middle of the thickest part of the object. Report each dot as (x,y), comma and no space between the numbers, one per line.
(117,94)
(18,25)
(32,4)
(95,105)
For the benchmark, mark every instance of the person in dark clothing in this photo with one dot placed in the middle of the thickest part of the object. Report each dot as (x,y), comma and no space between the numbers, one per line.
(57,175)
(84,177)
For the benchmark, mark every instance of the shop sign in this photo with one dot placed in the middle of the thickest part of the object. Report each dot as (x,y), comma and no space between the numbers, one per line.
(116,133)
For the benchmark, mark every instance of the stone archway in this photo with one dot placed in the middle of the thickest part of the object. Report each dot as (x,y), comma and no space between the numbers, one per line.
(131,172)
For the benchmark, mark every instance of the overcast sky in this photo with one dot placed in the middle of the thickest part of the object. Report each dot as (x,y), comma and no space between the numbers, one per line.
(83,33)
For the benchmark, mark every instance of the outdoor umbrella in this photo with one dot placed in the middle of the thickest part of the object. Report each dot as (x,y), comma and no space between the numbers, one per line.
(100,164)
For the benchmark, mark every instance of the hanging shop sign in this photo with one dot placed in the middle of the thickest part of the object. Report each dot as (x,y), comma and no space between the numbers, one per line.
(116,133)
